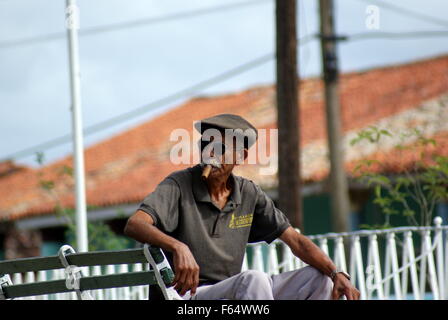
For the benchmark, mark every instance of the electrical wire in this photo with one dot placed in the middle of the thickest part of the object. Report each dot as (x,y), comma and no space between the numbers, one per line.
(396,35)
(196,88)
(152,106)
(129,24)
(408,12)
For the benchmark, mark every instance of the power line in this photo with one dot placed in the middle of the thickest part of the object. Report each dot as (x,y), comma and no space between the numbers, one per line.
(408,12)
(146,108)
(194,89)
(187,92)
(386,35)
(129,24)
(396,35)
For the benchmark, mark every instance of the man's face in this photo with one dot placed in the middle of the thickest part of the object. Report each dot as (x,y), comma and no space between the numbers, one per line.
(226,150)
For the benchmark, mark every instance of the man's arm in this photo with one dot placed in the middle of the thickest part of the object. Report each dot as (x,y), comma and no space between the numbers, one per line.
(140,226)
(310,253)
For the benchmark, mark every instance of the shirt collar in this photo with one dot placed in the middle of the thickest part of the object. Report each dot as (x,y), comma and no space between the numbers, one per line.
(200,190)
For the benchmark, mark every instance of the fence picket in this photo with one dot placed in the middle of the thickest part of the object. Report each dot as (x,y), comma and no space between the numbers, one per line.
(42,276)
(432,260)
(258,263)
(438,240)
(357,267)
(431,266)
(97,294)
(375,265)
(272,260)
(125,292)
(394,264)
(339,254)
(413,265)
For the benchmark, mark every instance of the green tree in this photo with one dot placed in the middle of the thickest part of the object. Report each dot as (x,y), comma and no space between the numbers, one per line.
(101,237)
(424,182)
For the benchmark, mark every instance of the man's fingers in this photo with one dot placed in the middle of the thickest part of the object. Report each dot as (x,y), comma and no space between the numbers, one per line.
(187,285)
(182,279)
(178,274)
(349,295)
(195,282)
(334,294)
(186,279)
(176,278)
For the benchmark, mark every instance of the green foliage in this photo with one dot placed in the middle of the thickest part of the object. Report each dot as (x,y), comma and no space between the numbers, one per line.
(66,170)
(46,185)
(425,184)
(375,226)
(101,237)
(40,158)
(372,135)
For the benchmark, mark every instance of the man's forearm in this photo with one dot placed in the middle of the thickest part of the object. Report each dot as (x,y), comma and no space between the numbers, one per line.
(140,227)
(311,254)
(307,251)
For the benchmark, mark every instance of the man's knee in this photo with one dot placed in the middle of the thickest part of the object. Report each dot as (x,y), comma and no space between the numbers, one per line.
(327,285)
(254,285)
(322,281)
(260,277)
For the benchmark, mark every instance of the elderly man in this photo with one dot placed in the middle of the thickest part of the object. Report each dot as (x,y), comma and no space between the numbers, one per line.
(203,219)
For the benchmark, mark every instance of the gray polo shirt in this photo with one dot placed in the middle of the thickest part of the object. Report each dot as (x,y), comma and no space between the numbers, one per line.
(181,207)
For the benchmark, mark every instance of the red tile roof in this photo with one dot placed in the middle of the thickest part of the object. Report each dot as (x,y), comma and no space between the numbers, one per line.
(126,167)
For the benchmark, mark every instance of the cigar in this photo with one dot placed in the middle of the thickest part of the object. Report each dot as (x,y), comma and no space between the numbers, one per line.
(206,171)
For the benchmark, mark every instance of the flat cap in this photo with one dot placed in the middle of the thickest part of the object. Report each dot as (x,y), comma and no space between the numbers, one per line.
(229,121)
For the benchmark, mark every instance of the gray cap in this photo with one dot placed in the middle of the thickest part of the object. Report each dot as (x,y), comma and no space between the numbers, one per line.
(229,121)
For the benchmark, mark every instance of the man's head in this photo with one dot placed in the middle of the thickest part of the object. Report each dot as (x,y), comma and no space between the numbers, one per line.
(226,139)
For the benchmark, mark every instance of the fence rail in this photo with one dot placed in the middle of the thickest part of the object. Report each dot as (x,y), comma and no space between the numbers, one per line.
(398,263)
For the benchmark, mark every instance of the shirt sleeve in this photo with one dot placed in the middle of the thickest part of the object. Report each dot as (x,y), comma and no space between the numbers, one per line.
(268,221)
(163,205)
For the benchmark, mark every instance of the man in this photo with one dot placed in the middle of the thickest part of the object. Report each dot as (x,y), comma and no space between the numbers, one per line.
(204,225)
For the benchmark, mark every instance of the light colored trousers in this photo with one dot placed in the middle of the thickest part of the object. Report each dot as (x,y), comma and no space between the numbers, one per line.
(306,283)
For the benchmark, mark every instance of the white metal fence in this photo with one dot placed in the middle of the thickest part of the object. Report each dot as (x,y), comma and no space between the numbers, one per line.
(398,263)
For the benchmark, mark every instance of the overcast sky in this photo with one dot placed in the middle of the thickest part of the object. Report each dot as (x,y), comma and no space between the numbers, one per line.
(131,67)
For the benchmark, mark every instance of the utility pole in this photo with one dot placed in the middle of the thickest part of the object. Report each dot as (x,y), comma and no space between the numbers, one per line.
(340,205)
(289,179)
(72,24)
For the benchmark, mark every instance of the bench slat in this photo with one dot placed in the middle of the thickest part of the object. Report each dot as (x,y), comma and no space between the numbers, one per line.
(128,279)
(99,258)
(78,259)
(35,289)
(88,283)
(29,264)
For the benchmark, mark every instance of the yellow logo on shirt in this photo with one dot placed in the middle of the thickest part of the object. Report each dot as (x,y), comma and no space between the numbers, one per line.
(241,221)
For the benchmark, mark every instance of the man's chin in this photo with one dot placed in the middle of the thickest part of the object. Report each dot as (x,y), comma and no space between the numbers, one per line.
(217,171)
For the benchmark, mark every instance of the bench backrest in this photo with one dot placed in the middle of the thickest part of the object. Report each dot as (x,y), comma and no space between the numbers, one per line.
(161,273)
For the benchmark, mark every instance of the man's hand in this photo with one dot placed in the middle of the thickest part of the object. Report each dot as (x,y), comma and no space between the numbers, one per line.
(186,270)
(141,227)
(343,287)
